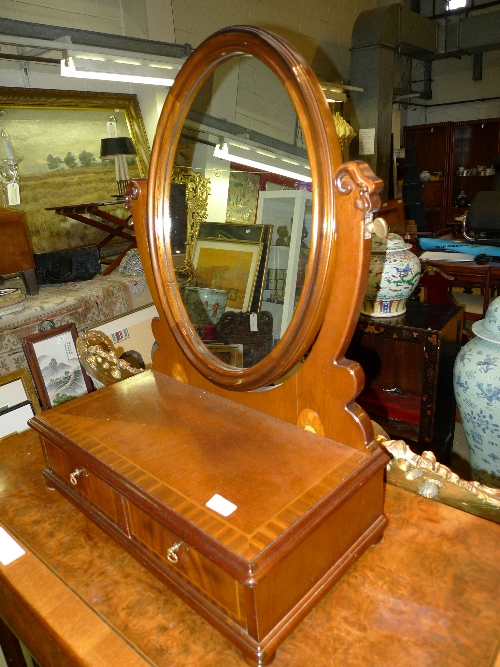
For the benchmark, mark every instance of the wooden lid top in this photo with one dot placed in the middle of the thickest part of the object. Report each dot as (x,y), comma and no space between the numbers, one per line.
(179,446)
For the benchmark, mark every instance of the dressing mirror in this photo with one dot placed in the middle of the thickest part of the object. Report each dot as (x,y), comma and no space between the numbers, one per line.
(239,127)
(213,475)
(247,227)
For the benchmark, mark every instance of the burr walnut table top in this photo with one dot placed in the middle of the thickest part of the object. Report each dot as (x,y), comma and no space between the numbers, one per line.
(426,595)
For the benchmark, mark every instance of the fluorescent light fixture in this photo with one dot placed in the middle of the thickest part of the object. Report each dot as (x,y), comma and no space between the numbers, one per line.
(276,165)
(104,68)
(455,4)
(333,94)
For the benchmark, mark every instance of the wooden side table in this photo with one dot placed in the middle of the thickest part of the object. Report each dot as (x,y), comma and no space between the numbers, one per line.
(408,363)
(16,255)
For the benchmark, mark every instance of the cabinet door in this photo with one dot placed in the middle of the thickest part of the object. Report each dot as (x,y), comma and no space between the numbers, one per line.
(432,144)
(475,143)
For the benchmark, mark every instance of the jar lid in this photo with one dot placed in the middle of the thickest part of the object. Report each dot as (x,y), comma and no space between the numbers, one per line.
(391,243)
(489,328)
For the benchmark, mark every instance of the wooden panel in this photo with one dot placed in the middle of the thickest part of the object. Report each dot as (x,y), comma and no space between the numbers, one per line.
(88,484)
(194,567)
(323,550)
(16,252)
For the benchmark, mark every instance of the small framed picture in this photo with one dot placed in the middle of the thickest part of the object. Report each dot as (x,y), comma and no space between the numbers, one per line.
(55,367)
(18,402)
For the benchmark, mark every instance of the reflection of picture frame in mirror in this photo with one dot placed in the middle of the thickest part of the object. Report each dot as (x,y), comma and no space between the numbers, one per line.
(242,196)
(228,231)
(230,266)
(197,190)
(54,364)
(245,233)
(229,353)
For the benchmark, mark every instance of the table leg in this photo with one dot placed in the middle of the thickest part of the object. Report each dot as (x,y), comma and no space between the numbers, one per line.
(30,282)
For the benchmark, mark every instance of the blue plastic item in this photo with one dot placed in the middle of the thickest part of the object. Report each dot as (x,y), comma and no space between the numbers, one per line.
(457,246)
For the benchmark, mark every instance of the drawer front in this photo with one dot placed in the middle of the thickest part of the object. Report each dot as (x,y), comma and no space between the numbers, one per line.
(84,482)
(192,566)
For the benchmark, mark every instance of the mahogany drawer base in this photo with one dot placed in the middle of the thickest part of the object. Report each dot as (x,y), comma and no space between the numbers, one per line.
(253,574)
(255,653)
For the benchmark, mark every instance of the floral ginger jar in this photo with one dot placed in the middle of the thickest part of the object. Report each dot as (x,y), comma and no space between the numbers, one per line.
(394,274)
(476,381)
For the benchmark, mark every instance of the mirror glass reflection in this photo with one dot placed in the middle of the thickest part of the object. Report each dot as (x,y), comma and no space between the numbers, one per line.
(241,211)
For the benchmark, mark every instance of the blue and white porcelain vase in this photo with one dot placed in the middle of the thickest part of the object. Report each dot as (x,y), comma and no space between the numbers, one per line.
(394,274)
(476,381)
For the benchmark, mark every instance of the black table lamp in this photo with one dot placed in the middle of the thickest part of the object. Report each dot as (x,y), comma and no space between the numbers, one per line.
(119,148)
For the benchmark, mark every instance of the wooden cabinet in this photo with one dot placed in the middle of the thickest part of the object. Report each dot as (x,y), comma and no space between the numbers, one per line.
(442,148)
(475,143)
(432,146)
(16,255)
(303,507)
(408,363)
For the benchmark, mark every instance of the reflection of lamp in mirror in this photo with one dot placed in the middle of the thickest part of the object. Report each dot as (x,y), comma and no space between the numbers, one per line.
(118,148)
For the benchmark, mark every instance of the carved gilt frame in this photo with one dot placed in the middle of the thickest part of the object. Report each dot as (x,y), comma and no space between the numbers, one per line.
(81,100)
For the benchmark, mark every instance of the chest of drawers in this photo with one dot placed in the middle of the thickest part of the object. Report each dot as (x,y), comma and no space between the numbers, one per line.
(142,458)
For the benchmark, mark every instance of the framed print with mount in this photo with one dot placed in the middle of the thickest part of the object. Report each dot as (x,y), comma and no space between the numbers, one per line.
(55,367)
(228,265)
(18,402)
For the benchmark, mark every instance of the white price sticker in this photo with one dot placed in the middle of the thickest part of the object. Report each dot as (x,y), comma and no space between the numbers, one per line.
(13,194)
(221,505)
(9,548)
(253,322)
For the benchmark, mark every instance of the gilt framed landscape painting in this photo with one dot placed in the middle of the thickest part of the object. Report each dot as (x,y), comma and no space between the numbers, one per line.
(55,367)
(55,136)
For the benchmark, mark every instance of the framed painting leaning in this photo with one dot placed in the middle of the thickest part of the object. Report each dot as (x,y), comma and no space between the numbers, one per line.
(55,137)
(55,366)
(18,402)
(228,265)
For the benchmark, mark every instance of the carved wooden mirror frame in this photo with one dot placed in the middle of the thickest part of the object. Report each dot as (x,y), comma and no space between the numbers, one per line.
(320,396)
(310,104)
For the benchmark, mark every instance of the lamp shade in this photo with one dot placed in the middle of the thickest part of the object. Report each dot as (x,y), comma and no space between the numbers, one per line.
(112,146)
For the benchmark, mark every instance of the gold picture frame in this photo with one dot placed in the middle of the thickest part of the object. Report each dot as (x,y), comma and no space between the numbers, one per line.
(55,136)
(132,335)
(28,386)
(230,266)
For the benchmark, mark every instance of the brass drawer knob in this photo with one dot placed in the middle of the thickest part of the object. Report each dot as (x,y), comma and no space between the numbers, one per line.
(73,478)
(172,556)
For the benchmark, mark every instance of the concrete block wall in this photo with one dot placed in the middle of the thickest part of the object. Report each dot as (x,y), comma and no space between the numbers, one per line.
(117,17)
(452,81)
(320,29)
(262,103)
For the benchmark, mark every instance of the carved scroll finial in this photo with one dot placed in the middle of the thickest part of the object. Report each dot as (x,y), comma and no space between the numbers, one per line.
(357,174)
